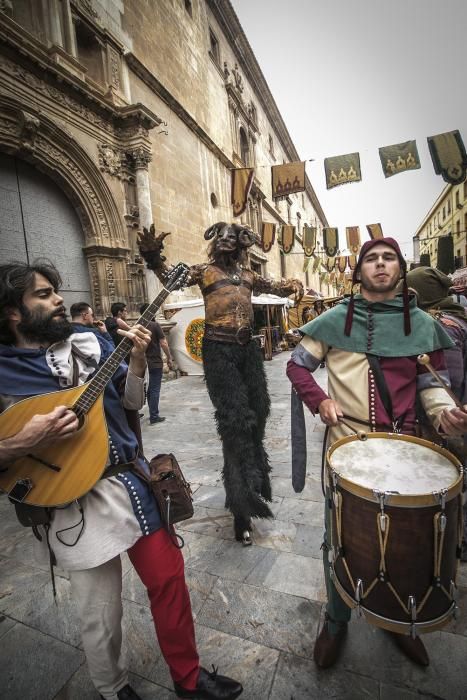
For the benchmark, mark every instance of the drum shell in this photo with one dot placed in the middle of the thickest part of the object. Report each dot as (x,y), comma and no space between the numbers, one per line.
(409,556)
(410,549)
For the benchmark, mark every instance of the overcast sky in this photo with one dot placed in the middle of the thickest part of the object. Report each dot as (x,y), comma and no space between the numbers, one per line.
(355,75)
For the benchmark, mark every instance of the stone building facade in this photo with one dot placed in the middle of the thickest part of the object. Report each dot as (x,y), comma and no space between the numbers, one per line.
(118,113)
(447,216)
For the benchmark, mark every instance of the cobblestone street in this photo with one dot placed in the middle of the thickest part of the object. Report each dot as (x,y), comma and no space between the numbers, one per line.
(257,609)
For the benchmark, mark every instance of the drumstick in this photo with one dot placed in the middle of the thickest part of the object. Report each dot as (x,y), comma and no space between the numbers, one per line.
(425,360)
(359,433)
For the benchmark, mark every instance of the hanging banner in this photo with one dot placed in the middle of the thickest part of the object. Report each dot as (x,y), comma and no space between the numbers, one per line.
(288,236)
(332,277)
(353,238)
(242,179)
(306,263)
(309,239)
(449,157)
(352,259)
(316,264)
(288,178)
(399,157)
(342,263)
(445,261)
(330,263)
(268,234)
(375,231)
(341,170)
(330,241)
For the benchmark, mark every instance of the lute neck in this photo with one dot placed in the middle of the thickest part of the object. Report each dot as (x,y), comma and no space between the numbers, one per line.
(102,377)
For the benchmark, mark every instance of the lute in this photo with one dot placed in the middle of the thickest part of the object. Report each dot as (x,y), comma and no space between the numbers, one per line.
(60,473)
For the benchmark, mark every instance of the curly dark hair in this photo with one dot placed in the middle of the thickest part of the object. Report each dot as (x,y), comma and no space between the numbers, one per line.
(15,279)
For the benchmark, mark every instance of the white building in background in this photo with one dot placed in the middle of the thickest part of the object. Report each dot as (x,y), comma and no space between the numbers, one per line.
(447,217)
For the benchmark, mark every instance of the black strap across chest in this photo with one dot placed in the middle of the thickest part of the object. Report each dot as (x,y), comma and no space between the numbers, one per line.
(226,282)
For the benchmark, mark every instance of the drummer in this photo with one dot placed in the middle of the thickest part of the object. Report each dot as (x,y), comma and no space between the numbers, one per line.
(370,343)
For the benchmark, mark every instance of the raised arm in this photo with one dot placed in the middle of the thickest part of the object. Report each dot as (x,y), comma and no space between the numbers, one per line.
(284,288)
(151,245)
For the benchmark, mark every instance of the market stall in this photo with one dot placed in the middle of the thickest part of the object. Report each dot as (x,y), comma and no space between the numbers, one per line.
(304,311)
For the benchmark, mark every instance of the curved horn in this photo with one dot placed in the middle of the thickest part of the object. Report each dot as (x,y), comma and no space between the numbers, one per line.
(213,230)
(246,238)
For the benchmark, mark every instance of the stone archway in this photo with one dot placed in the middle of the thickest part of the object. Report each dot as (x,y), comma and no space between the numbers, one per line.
(35,138)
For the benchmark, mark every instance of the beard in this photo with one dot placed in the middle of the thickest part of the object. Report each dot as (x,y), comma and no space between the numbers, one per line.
(44,328)
(389,286)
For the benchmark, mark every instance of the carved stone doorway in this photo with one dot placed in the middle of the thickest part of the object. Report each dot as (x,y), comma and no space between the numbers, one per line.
(39,221)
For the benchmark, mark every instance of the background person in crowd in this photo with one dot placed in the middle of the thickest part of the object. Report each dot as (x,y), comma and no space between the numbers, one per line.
(39,352)
(119,311)
(319,307)
(83,320)
(433,289)
(307,314)
(376,325)
(155,364)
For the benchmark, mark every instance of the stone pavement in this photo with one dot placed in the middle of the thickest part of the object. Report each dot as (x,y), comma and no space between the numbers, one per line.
(257,609)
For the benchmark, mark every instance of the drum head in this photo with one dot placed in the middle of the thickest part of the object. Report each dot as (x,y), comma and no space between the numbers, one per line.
(405,466)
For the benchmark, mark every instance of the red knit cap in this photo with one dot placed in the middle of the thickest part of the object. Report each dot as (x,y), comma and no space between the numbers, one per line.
(368,245)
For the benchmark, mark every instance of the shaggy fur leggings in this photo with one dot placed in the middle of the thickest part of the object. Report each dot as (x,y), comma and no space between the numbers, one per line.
(237,387)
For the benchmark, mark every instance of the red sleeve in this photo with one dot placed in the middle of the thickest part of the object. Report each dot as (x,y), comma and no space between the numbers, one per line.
(306,386)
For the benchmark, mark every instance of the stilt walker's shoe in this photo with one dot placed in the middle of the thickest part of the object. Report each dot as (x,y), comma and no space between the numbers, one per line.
(211,686)
(414,649)
(329,646)
(242,528)
(246,538)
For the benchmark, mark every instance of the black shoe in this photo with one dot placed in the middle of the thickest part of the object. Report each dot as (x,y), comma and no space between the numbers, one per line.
(211,686)
(414,649)
(159,419)
(329,646)
(126,693)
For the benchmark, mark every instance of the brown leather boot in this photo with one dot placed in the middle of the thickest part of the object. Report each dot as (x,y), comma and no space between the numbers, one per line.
(329,646)
(414,649)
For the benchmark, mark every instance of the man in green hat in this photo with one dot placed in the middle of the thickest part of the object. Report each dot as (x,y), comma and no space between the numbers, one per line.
(376,326)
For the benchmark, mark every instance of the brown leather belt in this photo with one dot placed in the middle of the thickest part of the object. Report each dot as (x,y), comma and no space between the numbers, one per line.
(226,334)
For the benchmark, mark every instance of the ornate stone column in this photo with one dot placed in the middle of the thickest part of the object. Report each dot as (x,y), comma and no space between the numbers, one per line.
(141,158)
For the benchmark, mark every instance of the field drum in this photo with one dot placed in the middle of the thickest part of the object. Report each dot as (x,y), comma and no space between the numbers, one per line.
(396,529)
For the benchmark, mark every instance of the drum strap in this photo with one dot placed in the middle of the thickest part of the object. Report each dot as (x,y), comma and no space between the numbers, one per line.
(384,393)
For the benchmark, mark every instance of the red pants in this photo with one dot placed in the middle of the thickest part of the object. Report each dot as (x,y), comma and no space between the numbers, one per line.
(160,567)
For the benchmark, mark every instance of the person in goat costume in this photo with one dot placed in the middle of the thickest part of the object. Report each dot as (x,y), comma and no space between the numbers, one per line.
(233,364)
